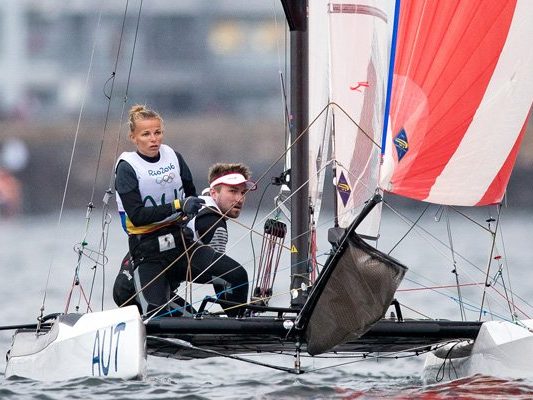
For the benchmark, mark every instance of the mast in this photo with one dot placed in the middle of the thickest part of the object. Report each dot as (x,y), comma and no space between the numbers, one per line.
(296,14)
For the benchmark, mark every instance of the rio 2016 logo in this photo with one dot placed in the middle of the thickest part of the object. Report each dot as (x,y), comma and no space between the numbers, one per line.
(161,170)
(105,346)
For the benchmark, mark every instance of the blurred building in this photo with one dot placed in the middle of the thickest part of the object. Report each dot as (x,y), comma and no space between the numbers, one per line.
(191,56)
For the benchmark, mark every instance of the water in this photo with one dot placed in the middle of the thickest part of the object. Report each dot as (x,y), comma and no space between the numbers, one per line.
(29,245)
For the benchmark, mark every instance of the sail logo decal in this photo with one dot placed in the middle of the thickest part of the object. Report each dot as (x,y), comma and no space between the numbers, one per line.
(359,85)
(344,189)
(401,144)
(104,347)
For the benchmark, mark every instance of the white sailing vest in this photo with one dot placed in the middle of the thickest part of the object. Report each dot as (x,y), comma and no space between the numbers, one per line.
(159,183)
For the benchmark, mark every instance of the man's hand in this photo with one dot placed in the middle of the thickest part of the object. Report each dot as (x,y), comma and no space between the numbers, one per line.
(190,206)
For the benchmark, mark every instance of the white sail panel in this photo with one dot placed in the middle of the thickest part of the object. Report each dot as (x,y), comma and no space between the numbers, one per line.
(359,42)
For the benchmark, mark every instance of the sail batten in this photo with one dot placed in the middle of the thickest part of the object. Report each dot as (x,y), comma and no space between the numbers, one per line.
(462,92)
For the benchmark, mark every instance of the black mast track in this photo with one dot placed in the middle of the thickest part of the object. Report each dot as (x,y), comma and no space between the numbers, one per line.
(296,14)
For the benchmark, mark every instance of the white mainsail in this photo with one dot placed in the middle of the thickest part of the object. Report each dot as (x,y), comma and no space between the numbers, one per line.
(358,53)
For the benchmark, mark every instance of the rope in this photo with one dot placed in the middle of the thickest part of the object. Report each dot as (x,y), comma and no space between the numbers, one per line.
(71,161)
(489,262)
(454,270)
(367,356)
(106,217)
(273,239)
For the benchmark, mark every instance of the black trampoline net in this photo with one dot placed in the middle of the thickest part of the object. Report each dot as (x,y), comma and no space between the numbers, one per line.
(353,292)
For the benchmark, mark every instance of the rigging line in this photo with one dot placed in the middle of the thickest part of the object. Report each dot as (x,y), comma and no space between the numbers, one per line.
(280,72)
(410,229)
(276,28)
(430,235)
(304,131)
(106,223)
(186,250)
(102,246)
(486,311)
(437,287)
(188,286)
(454,262)
(177,294)
(469,218)
(489,261)
(99,158)
(259,300)
(437,290)
(71,161)
(499,278)
(507,269)
(439,376)
(504,296)
(332,103)
(367,357)
(327,137)
(224,215)
(359,179)
(415,311)
(526,302)
(126,92)
(108,111)
(188,345)
(252,226)
(106,216)
(290,145)
(286,54)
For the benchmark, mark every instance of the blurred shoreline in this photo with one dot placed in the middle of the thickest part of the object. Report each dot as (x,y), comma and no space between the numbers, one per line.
(201,140)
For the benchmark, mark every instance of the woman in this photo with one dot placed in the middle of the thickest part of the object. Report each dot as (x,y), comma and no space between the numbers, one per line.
(155,195)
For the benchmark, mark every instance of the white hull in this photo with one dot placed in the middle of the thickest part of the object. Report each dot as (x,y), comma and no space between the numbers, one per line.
(107,344)
(502,349)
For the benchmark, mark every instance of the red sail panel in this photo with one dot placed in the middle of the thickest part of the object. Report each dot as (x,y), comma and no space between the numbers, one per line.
(455,68)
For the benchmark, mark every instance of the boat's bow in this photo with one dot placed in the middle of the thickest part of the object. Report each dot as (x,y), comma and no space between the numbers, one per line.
(107,343)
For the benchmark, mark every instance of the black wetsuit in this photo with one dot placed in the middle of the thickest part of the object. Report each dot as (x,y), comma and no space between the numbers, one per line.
(148,261)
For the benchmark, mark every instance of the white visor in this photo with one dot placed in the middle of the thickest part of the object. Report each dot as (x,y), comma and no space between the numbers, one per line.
(232,180)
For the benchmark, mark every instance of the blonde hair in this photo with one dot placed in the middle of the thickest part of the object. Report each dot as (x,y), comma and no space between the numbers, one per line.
(220,169)
(140,112)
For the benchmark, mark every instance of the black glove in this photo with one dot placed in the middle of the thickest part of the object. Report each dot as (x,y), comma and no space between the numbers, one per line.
(191,205)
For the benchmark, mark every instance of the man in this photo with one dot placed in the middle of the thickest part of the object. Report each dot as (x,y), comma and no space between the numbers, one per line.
(228,185)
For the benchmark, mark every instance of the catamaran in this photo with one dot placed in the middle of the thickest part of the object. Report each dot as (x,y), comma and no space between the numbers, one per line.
(427,100)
